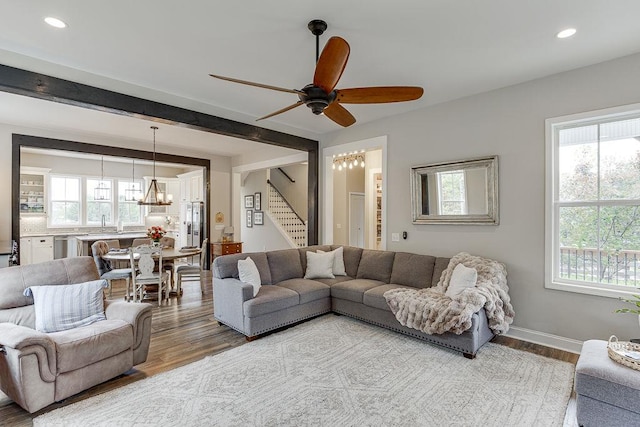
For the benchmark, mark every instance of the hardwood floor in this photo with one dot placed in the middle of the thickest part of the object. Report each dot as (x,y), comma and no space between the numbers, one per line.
(184,331)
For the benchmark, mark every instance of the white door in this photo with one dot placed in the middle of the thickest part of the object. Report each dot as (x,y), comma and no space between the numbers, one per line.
(356,219)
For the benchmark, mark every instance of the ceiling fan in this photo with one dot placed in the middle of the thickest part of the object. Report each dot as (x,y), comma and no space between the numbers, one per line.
(322,97)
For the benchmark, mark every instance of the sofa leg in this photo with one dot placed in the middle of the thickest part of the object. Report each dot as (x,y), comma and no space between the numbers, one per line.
(469,355)
(253,338)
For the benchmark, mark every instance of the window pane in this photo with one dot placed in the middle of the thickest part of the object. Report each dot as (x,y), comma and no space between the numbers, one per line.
(65,213)
(620,244)
(578,163)
(95,211)
(129,213)
(620,169)
(578,238)
(63,188)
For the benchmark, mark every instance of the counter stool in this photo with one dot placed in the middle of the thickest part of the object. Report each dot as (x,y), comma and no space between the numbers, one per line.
(607,393)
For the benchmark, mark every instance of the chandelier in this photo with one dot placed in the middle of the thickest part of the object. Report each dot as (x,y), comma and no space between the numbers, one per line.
(348,160)
(153,196)
(102,191)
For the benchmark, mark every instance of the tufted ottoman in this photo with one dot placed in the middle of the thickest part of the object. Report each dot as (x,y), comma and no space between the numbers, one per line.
(607,393)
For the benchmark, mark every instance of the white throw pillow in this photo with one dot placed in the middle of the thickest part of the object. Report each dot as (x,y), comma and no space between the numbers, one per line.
(338,261)
(248,273)
(461,279)
(62,307)
(319,265)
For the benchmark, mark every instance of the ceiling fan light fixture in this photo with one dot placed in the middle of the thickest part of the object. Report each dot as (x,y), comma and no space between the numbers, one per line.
(566,33)
(55,22)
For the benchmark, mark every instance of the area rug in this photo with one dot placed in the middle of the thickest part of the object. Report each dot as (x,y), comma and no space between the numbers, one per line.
(336,371)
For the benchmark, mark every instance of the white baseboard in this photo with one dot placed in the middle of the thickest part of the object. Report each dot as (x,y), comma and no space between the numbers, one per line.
(543,338)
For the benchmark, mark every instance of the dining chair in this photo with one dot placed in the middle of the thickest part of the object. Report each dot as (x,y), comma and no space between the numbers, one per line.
(143,263)
(192,272)
(140,242)
(115,244)
(167,265)
(106,271)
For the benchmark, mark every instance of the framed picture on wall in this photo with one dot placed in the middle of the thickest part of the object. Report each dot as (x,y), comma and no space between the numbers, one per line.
(257,203)
(249,218)
(248,201)
(258,218)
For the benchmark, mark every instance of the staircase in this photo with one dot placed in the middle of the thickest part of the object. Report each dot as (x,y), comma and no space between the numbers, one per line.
(281,212)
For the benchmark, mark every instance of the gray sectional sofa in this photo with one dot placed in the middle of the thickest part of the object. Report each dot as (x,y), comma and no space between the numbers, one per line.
(286,297)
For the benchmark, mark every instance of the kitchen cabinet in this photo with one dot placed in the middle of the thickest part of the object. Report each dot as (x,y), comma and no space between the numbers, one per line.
(36,249)
(33,190)
(191,186)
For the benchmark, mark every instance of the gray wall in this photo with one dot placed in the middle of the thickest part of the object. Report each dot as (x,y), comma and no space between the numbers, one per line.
(509,122)
(259,237)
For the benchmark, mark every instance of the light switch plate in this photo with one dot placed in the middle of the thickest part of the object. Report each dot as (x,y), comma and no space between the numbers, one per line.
(395,237)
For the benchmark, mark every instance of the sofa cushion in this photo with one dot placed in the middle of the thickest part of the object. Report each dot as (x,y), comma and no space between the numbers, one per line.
(248,273)
(461,278)
(338,261)
(375,297)
(351,258)
(412,269)
(314,248)
(23,316)
(353,290)
(376,265)
(319,265)
(80,347)
(309,290)
(337,279)
(58,272)
(62,307)
(439,266)
(227,266)
(284,264)
(269,299)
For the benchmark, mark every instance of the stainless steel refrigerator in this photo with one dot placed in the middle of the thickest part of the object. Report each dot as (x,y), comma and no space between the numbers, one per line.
(194,222)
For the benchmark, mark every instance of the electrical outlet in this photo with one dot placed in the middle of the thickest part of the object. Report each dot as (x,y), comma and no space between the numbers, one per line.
(395,237)
(338,226)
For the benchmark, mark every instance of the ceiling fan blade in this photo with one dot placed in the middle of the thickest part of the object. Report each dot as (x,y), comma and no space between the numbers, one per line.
(275,113)
(378,95)
(245,82)
(339,114)
(331,64)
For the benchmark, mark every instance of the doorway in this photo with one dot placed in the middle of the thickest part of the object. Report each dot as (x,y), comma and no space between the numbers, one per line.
(356,219)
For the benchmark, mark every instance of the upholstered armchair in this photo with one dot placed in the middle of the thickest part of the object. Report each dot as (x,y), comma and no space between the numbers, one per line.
(38,367)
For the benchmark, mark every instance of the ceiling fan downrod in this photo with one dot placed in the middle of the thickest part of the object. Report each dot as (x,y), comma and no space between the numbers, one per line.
(317,27)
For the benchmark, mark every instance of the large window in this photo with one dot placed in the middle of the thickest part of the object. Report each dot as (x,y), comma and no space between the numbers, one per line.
(129,211)
(65,200)
(593,202)
(99,209)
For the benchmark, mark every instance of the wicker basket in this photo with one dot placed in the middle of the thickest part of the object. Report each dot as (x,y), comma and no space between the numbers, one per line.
(619,352)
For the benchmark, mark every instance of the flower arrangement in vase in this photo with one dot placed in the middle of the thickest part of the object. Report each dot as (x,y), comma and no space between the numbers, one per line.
(155,233)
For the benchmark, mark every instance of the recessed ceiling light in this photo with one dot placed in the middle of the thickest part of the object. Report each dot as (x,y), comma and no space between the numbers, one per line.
(54,22)
(566,33)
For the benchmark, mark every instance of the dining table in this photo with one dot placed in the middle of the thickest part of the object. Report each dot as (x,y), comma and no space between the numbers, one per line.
(168,254)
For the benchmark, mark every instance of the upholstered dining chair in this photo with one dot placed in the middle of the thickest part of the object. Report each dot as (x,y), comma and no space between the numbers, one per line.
(192,272)
(143,263)
(106,271)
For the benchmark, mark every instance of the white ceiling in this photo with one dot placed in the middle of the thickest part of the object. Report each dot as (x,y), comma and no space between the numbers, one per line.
(451,48)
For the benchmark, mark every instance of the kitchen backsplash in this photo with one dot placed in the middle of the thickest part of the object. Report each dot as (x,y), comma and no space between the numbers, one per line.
(35,225)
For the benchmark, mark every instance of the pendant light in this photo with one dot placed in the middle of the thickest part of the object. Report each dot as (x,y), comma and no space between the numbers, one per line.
(132,193)
(102,190)
(153,196)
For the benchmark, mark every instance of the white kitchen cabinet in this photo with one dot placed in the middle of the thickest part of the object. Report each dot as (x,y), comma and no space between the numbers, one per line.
(33,195)
(191,186)
(36,249)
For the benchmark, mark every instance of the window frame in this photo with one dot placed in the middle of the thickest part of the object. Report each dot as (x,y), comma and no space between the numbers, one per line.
(50,201)
(117,201)
(552,205)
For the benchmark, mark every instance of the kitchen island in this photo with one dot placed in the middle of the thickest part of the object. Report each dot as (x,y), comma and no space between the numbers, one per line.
(125,239)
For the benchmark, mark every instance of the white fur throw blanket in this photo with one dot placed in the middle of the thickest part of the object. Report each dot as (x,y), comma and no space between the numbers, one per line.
(430,310)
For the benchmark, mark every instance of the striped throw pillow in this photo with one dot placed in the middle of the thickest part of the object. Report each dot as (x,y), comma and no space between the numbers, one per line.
(63,307)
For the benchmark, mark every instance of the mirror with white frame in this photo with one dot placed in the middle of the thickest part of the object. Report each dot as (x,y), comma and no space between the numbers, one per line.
(460,192)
